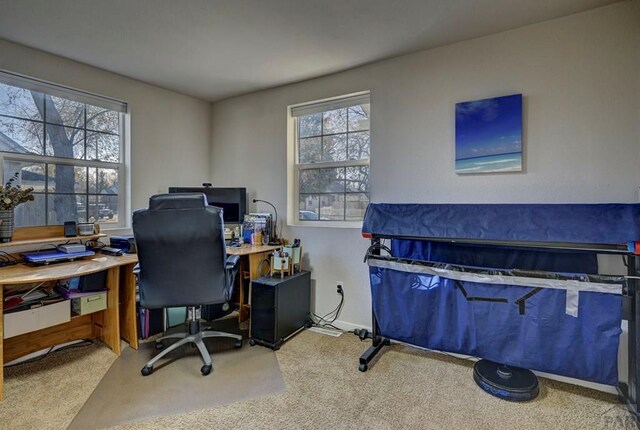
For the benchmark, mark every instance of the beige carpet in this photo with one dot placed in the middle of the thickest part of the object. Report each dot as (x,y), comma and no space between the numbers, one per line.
(48,393)
(405,389)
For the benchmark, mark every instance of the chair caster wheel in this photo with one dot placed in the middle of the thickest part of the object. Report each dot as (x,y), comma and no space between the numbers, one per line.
(252,342)
(206,369)
(363,367)
(238,344)
(159,345)
(147,370)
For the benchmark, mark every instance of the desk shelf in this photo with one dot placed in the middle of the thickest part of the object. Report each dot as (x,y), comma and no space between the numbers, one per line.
(45,240)
(26,236)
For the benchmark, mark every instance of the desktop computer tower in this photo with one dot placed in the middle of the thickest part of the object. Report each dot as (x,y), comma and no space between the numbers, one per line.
(279,308)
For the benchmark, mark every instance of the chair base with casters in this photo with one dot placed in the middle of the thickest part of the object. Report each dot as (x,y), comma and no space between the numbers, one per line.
(196,336)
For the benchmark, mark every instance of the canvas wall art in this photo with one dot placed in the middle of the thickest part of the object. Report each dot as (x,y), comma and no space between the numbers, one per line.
(489,135)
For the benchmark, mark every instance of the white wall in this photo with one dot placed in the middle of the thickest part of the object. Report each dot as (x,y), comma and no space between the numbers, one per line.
(170,132)
(581,82)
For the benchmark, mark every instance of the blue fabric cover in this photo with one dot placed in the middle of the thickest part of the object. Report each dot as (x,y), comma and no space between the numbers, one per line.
(551,260)
(573,223)
(431,312)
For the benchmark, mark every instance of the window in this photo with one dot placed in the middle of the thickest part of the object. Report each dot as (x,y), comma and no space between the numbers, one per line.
(331,160)
(66,144)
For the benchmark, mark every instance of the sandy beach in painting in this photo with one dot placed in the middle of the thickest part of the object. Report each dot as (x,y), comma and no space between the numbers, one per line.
(511,162)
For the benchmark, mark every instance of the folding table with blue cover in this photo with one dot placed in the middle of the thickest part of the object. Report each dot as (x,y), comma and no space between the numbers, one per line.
(512,284)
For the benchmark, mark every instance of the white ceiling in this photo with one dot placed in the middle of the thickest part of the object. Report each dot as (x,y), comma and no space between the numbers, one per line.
(214,49)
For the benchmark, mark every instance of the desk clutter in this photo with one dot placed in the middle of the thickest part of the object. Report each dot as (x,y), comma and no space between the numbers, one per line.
(287,260)
(33,309)
(256,229)
(28,308)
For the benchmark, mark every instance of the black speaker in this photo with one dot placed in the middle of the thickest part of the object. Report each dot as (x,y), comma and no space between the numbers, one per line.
(70,229)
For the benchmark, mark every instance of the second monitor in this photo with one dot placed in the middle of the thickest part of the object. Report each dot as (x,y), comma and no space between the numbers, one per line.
(233,201)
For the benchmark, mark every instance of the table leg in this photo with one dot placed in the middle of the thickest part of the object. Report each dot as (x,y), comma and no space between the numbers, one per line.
(243,313)
(1,342)
(107,322)
(255,261)
(128,323)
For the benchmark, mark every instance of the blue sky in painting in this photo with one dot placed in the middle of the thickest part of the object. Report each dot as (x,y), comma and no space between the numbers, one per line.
(489,127)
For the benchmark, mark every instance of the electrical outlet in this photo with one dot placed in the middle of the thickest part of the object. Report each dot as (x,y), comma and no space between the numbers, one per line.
(339,287)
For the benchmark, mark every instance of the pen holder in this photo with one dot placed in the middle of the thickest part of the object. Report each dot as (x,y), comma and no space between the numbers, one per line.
(295,254)
(256,239)
(280,264)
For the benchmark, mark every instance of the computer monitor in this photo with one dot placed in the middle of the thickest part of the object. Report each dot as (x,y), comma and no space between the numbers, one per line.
(233,201)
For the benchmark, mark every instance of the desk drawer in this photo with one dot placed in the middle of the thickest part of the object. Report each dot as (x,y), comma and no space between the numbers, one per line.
(17,323)
(88,304)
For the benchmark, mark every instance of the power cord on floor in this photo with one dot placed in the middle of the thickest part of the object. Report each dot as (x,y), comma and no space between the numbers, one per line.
(362,333)
(85,342)
(328,319)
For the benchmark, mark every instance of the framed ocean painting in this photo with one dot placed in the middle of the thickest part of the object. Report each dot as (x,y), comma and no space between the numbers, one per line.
(489,135)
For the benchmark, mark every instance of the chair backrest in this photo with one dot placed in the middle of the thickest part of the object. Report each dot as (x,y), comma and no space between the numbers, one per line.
(181,250)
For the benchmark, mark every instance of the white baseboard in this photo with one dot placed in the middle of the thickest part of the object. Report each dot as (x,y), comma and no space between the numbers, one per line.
(347,326)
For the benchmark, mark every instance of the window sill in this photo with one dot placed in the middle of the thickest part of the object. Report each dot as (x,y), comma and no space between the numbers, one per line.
(116,231)
(326,224)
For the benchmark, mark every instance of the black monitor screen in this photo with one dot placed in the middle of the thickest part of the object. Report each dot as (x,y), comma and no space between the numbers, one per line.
(233,201)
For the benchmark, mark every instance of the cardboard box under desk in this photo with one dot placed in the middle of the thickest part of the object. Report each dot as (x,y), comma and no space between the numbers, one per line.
(17,323)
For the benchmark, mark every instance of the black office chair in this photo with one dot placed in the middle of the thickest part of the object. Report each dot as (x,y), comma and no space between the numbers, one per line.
(183,262)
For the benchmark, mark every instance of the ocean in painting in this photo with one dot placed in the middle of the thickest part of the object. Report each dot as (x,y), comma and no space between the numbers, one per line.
(491,163)
(489,135)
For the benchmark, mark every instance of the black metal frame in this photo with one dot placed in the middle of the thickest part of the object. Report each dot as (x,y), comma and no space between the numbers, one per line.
(628,392)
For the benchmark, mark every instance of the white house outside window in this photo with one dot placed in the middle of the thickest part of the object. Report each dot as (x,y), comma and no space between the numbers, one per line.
(66,144)
(331,161)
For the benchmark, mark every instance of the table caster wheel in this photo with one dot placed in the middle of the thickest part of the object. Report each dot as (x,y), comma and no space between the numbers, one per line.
(252,342)
(238,343)
(363,367)
(147,370)
(206,369)
(159,345)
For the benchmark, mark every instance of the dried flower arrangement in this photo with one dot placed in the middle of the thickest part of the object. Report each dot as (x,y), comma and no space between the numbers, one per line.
(12,194)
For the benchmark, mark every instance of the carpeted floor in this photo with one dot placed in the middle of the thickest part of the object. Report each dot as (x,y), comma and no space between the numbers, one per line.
(405,389)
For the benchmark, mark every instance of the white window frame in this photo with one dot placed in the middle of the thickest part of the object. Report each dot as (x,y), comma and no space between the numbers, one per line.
(123,166)
(293,188)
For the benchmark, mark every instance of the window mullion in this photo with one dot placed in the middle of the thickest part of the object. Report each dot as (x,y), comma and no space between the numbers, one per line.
(321,144)
(46,193)
(333,164)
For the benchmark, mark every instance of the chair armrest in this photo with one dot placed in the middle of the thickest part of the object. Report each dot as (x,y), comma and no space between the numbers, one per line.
(232,261)
(231,267)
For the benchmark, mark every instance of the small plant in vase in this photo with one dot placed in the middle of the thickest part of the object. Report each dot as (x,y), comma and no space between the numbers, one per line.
(11,195)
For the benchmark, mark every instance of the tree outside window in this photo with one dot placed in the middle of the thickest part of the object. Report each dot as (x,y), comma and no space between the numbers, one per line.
(68,150)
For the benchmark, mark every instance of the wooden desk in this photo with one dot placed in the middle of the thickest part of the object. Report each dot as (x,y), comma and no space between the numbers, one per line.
(252,257)
(109,325)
